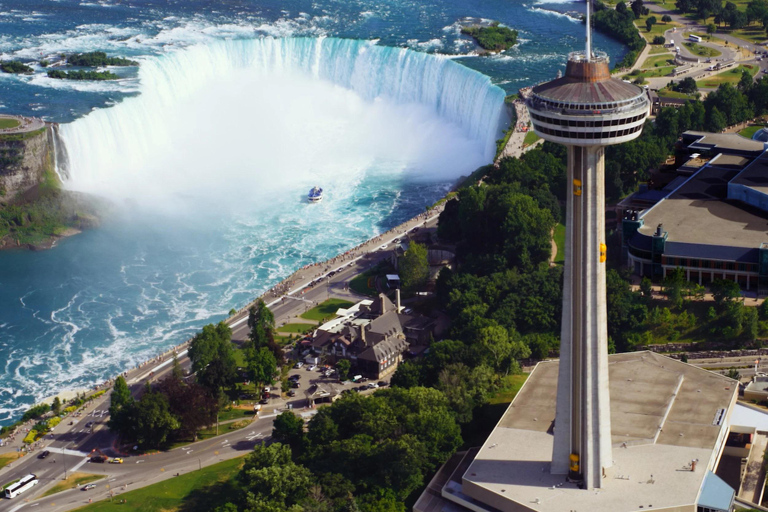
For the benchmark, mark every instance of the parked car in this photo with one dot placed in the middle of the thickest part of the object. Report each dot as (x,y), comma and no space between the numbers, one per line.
(44,454)
(382,383)
(295,377)
(291,392)
(311,368)
(89,424)
(88,487)
(295,384)
(372,385)
(362,388)
(298,365)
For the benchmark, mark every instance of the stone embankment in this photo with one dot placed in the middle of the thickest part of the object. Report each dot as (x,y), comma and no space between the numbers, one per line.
(26,152)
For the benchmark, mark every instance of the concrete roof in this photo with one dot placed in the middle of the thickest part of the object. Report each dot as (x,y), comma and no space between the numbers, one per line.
(662,417)
(699,213)
(755,175)
(722,142)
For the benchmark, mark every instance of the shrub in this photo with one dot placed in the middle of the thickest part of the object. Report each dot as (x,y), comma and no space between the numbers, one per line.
(35,412)
(658,40)
(31,437)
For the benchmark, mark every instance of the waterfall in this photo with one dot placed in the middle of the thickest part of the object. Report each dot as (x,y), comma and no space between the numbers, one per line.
(60,156)
(133,129)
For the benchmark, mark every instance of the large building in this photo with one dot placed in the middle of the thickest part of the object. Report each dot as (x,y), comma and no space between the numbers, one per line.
(714,223)
(670,425)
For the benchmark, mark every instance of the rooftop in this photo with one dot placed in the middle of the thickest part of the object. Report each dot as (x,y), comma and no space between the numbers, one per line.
(567,90)
(699,214)
(721,142)
(664,414)
(755,175)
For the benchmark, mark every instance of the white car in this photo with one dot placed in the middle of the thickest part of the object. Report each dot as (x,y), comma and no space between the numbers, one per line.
(311,368)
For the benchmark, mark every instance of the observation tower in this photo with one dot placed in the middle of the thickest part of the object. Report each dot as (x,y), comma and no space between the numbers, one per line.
(585,110)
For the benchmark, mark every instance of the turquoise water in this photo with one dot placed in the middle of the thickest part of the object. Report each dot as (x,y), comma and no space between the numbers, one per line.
(207,152)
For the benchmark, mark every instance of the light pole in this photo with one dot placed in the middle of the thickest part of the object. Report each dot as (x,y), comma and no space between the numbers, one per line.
(64,458)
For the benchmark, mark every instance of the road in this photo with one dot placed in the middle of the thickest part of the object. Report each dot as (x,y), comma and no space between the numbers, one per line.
(72,443)
(701,70)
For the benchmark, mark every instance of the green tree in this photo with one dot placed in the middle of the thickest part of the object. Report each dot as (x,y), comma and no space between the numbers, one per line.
(650,22)
(342,368)
(734,374)
(153,422)
(414,267)
(724,290)
(121,407)
(666,18)
(213,357)
(407,375)
(262,366)
(272,481)
(674,285)
(711,29)
(56,405)
(289,429)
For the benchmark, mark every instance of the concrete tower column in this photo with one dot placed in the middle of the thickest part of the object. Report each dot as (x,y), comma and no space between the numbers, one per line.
(583,421)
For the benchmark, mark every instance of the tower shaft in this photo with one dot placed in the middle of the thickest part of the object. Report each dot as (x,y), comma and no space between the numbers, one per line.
(583,421)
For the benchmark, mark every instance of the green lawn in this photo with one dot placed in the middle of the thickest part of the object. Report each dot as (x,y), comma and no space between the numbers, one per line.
(754,33)
(73,481)
(731,76)
(655,72)
(7,458)
(235,413)
(658,61)
(8,123)
(701,51)
(657,29)
(559,238)
(197,491)
(530,138)
(326,310)
(510,385)
(296,328)
(487,416)
(666,93)
(223,429)
(657,49)
(749,131)
(364,283)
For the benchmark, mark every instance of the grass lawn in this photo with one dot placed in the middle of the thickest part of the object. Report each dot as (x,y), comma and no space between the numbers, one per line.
(658,60)
(296,328)
(655,72)
(657,49)
(510,385)
(749,131)
(223,429)
(201,491)
(754,33)
(8,123)
(7,458)
(667,93)
(530,138)
(326,309)
(731,76)
(73,481)
(282,340)
(236,413)
(559,238)
(364,283)
(657,29)
(701,51)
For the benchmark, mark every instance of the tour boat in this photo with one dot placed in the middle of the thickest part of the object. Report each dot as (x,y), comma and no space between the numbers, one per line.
(315,195)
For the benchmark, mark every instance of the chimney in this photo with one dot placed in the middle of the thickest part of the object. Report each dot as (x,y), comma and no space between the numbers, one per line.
(397,299)
(382,297)
(693,464)
(362,335)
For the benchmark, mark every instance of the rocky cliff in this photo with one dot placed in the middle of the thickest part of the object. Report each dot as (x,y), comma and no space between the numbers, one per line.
(24,159)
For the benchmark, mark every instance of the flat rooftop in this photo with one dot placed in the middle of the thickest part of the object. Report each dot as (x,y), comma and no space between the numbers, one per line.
(718,142)
(755,176)
(664,414)
(699,212)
